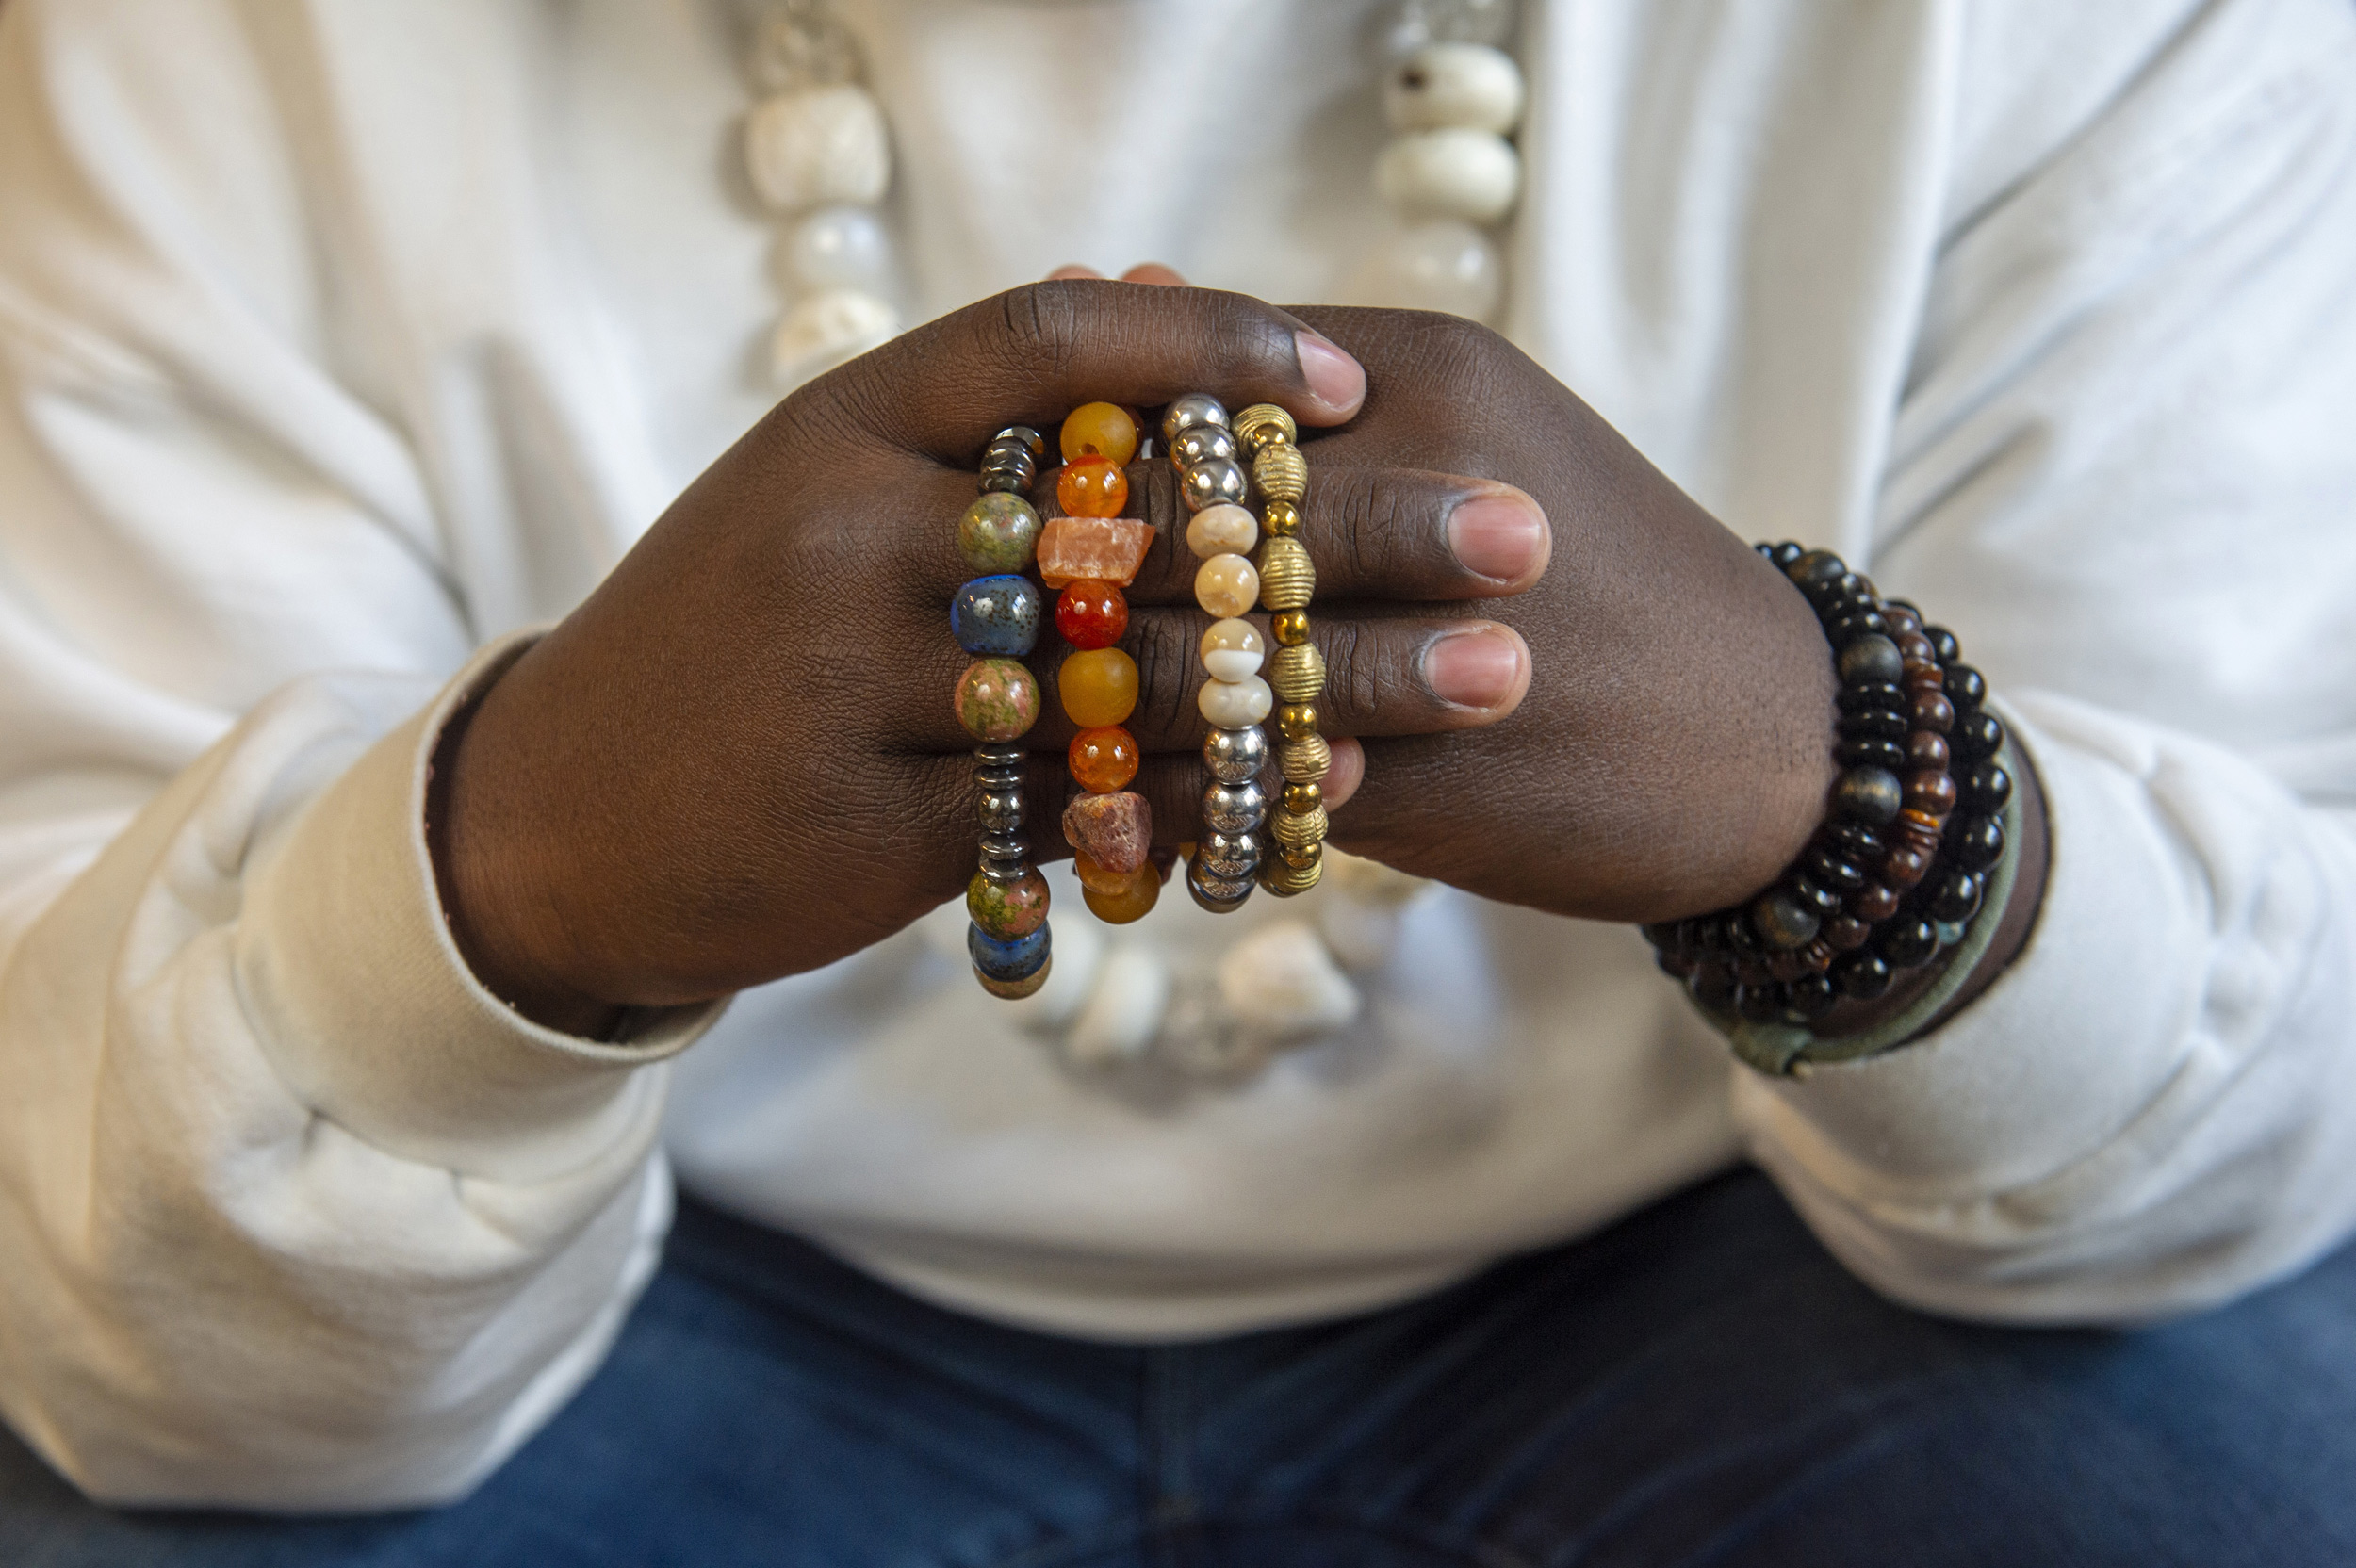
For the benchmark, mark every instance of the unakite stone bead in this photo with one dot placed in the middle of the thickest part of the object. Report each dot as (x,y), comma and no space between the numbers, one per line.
(996,699)
(1013,958)
(1007,909)
(998,532)
(1098,687)
(996,616)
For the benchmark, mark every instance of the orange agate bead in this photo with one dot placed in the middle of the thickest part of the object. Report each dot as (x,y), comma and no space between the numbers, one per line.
(1133,901)
(1099,430)
(1099,688)
(1092,487)
(1103,758)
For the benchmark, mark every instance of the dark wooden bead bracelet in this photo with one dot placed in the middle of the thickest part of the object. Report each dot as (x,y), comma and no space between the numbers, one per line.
(1897,872)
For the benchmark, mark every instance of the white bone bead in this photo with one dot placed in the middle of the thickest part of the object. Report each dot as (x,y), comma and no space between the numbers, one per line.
(1441,266)
(1472,175)
(1222,529)
(1467,84)
(825,145)
(827,328)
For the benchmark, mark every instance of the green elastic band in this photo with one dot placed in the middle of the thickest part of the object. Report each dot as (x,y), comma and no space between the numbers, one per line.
(1781,1048)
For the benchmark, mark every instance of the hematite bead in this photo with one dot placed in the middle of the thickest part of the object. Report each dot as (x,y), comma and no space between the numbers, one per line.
(1023,437)
(1874,901)
(1870,795)
(1010,484)
(1977,735)
(1811,894)
(1001,811)
(1236,754)
(1012,958)
(1984,791)
(1862,974)
(1783,922)
(1228,855)
(1907,941)
(1870,660)
(1977,842)
(1860,753)
(1965,687)
(1826,867)
(1234,808)
(1943,644)
(1875,724)
(1760,1003)
(1785,553)
(1887,695)
(1812,997)
(1955,897)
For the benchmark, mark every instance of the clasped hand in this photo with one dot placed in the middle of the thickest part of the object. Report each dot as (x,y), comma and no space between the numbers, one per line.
(1561,684)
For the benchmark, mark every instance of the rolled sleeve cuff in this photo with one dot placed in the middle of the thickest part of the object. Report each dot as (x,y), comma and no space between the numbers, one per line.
(373,1018)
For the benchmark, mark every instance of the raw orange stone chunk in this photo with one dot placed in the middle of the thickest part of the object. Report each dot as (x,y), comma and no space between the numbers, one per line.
(1099,430)
(1108,548)
(1092,487)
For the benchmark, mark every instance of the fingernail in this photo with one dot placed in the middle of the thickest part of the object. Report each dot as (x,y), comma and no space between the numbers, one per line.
(1334,379)
(1473,669)
(1498,533)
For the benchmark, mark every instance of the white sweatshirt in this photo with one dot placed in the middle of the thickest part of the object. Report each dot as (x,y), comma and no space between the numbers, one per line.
(339,341)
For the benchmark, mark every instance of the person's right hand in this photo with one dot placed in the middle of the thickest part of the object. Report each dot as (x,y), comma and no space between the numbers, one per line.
(737,760)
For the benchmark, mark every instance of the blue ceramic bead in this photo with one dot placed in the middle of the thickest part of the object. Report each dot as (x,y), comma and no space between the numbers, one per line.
(1006,958)
(997,617)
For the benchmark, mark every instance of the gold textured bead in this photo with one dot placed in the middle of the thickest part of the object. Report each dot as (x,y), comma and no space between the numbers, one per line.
(1256,426)
(1301,799)
(1297,673)
(1290,627)
(1282,520)
(1301,857)
(1286,577)
(1280,472)
(1299,827)
(1282,879)
(1305,761)
(1296,720)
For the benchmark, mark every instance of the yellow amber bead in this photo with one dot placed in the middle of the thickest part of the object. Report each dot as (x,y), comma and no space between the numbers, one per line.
(1098,687)
(1282,518)
(1132,902)
(1291,627)
(1099,430)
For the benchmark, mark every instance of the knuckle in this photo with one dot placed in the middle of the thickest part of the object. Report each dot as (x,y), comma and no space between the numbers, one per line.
(1164,650)
(1040,324)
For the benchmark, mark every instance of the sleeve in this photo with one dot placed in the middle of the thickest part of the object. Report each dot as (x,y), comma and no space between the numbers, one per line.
(293,1213)
(2123,470)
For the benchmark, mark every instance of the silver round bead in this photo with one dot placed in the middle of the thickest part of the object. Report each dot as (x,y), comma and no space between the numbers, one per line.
(1227,854)
(1234,807)
(1195,408)
(1199,443)
(1221,896)
(1236,754)
(1001,810)
(1217,482)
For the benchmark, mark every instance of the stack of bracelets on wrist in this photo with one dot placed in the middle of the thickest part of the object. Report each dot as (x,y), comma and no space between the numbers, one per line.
(1234,699)
(995,617)
(1898,872)
(1091,555)
(1297,671)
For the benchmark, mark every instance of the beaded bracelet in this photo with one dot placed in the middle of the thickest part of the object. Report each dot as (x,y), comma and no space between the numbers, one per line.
(996,619)
(1287,579)
(1093,555)
(1211,483)
(1897,873)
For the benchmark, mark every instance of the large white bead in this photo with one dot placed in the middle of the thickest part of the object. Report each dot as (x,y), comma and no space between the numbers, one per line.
(1279,983)
(836,247)
(1454,84)
(825,329)
(1124,1009)
(1441,266)
(1234,703)
(1474,175)
(825,145)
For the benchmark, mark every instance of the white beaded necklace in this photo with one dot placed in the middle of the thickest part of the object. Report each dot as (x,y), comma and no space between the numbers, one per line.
(818,151)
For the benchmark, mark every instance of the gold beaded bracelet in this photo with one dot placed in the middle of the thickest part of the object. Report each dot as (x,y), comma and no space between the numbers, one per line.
(1287,579)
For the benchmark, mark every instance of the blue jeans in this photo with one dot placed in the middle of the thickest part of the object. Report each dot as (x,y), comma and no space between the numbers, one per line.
(1700,1384)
